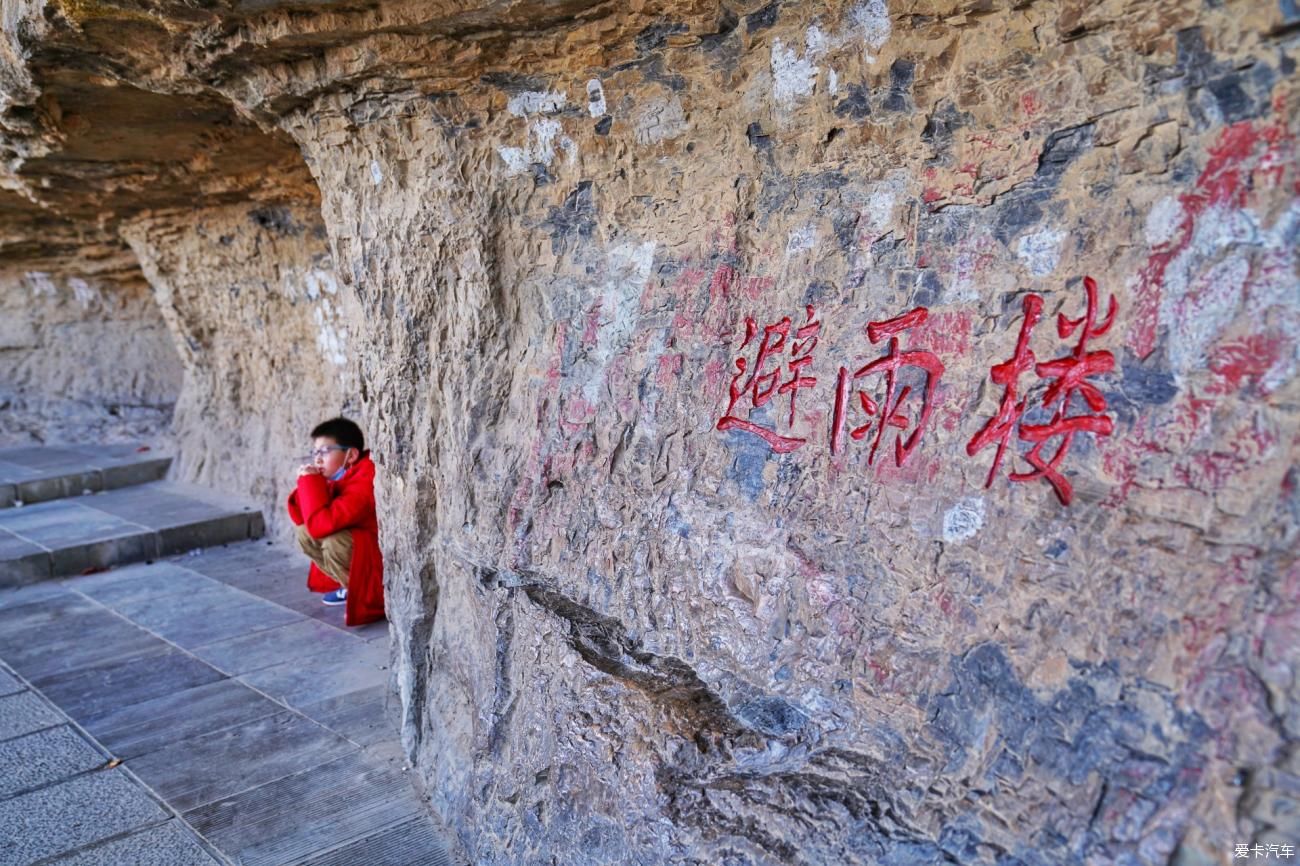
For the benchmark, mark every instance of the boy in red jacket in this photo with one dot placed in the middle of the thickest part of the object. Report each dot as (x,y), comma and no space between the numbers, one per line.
(334,510)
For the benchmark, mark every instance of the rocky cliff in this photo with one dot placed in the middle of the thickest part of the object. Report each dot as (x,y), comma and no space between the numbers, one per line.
(859,432)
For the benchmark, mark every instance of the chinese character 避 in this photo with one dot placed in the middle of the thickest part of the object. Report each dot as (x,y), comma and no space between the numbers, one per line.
(760,386)
(887,414)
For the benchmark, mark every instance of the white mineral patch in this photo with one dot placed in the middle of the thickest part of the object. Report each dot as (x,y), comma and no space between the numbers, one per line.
(1163,221)
(83,292)
(815,41)
(1041,251)
(1200,309)
(330,338)
(963,520)
(629,267)
(871,21)
(793,77)
(596,98)
(41,284)
(318,281)
(536,102)
(832,81)
(801,239)
(660,120)
(543,136)
(376,173)
(1203,289)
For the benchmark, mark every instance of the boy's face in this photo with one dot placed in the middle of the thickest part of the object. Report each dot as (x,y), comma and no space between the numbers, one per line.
(329,456)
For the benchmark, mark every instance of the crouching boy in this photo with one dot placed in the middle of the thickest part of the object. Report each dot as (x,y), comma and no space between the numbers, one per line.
(333,508)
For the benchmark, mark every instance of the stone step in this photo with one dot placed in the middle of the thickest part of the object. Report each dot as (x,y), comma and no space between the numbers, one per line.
(40,474)
(130,524)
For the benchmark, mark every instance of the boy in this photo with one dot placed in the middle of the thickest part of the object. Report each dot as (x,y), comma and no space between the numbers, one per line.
(334,510)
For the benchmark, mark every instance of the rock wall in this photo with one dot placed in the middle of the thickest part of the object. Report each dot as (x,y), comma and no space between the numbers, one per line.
(58,328)
(851,433)
(250,297)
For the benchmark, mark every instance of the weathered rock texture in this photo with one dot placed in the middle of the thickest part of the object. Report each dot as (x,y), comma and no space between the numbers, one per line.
(69,302)
(646,610)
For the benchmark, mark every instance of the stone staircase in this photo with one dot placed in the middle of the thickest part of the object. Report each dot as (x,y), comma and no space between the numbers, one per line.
(78,509)
(198,710)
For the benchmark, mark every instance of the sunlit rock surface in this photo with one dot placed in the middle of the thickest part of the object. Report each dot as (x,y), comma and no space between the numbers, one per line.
(654,605)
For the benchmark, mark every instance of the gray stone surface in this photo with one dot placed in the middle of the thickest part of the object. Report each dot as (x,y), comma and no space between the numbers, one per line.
(41,474)
(71,815)
(208,767)
(169,844)
(90,693)
(301,639)
(129,524)
(65,521)
(315,679)
(40,758)
(151,725)
(24,712)
(326,806)
(82,640)
(411,843)
(206,616)
(142,581)
(21,561)
(9,684)
(361,716)
(11,597)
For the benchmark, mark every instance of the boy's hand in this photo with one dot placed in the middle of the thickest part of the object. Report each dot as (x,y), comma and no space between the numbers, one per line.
(308,469)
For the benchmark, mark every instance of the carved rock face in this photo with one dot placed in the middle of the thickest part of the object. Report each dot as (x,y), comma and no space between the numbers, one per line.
(688,338)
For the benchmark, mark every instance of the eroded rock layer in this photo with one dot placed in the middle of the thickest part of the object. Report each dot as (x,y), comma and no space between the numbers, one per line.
(859,432)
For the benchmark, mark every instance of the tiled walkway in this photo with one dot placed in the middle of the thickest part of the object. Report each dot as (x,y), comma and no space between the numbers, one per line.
(199,710)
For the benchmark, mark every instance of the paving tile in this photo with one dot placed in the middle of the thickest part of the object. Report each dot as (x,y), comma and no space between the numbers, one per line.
(55,523)
(25,712)
(24,595)
(213,766)
(208,531)
(167,504)
(11,471)
(361,716)
(9,684)
(89,639)
(411,843)
(91,693)
(71,815)
(51,755)
(151,725)
(43,459)
(22,562)
(301,639)
(69,482)
(78,558)
(293,817)
(313,680)
(140,581)
(206,616)
(169,844)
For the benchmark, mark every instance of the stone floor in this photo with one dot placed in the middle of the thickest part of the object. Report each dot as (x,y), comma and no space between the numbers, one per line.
(203,709)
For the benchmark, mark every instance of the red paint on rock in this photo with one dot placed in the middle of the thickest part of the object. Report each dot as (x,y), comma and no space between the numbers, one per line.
(1225,180)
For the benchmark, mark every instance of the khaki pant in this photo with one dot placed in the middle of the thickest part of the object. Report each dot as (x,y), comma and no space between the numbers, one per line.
(332,554)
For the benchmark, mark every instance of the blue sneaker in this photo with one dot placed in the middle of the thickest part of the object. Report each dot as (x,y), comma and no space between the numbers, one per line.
(338,596)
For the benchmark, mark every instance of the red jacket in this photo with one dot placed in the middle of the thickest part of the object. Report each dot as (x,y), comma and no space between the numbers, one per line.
(326,507)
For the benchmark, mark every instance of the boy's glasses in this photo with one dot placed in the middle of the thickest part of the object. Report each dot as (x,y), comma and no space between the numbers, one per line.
(322,452)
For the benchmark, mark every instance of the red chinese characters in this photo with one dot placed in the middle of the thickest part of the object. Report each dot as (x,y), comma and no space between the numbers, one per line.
(766,379)
(1068,376)
(888,412)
